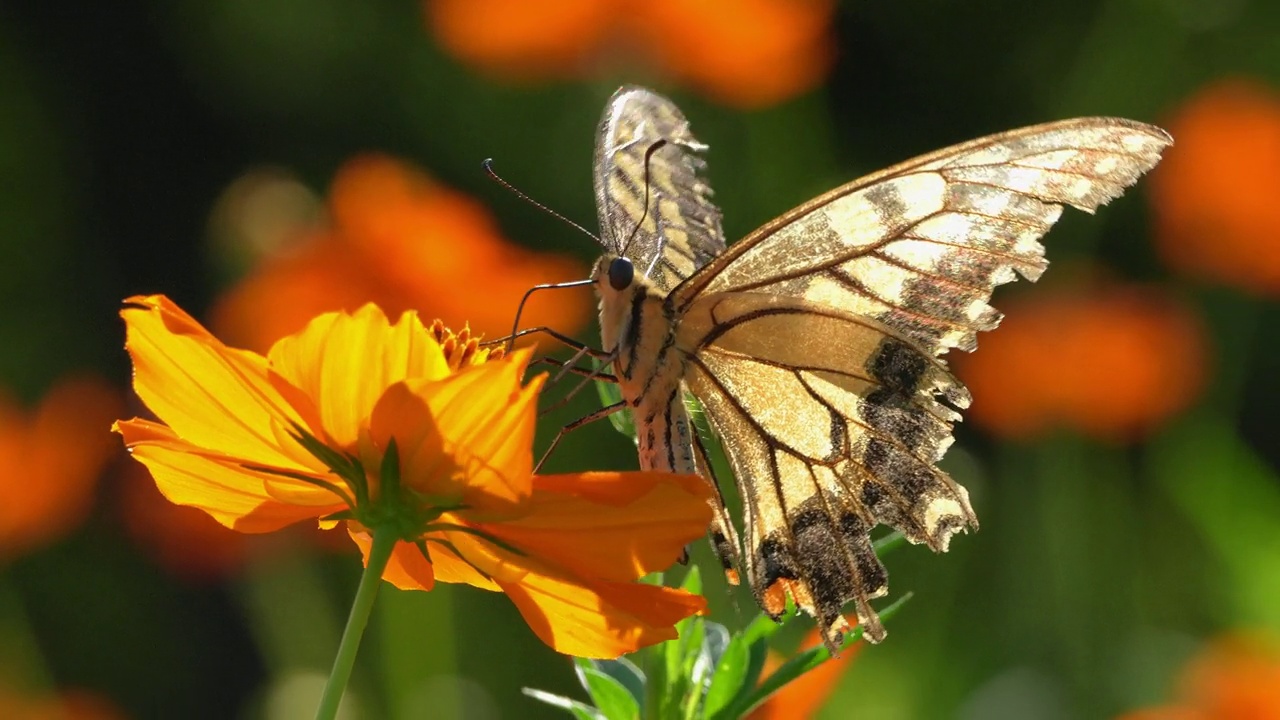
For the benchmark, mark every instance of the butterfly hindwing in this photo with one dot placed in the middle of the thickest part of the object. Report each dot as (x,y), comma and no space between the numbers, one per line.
(645,151)
(832,427)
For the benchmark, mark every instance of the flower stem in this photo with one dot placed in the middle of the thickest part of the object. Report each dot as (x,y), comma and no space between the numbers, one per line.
(370,581)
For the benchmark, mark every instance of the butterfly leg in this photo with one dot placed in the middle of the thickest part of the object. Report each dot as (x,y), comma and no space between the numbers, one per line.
(587,378)
(581,371)
(561,337)
(602,413)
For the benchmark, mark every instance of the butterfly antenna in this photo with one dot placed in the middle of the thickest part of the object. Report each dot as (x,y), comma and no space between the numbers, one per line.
(493,175)
(488,168)
(648,155)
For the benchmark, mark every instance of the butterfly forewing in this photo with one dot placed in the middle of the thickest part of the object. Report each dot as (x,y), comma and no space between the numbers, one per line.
(920,246)
(651,197)
(813,343)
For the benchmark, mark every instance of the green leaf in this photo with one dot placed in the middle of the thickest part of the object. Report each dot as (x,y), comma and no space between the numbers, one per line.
(692,582)
(657,688)
(757,654)
(611,697)
(715,641)
(626,672)
(761,628)
(715,638)
(580,710)
(676,658)
(727,681)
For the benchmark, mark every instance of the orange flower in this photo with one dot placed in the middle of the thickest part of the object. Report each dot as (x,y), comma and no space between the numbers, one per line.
(1214,195)
(360,420)
(403,241)
(1109,361)
(54,455)
(1236,678)
(748,53)
(804,696)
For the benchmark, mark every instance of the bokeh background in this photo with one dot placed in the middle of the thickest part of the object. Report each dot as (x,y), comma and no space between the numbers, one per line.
(261,161)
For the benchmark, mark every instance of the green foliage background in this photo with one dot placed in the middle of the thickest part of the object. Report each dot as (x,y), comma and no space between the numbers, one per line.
(1099,569)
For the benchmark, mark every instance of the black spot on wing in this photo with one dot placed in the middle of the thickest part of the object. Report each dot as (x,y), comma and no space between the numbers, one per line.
(872,576)
(898,366)
(894,414)
(825,566)
(890,207)
(910,478)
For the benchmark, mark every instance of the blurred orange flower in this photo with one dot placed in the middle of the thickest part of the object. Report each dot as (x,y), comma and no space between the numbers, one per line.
(67,705)
(1235,678)
(54,456)
(1215,195)
(804,697)
(1108,360)
(748,53)
(360,420)
(398,239)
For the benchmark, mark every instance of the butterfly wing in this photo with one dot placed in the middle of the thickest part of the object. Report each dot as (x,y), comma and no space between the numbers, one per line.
(653,203)
(921,245)
(813,346)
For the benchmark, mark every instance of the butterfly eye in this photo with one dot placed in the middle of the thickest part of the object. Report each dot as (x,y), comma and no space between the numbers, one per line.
(621,273)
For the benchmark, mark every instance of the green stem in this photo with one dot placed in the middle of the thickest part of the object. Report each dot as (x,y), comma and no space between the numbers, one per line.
(370,581)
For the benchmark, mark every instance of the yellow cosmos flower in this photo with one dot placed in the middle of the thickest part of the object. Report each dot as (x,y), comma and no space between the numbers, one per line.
(414,431)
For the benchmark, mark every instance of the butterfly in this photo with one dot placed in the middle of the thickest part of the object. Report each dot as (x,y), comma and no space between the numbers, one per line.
(814,344)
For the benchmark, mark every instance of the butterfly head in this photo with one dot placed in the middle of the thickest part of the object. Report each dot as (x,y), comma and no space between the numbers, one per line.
(622,292)
(615,275)
(621,273)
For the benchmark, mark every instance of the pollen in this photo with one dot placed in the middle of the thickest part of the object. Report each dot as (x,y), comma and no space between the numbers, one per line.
(461,348)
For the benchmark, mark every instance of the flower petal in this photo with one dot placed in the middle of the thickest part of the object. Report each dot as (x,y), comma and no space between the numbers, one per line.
(406,569)
(363,354)
(600,619)
(498,564)
(213,396)
(467,437)
(239,498)
(610,525)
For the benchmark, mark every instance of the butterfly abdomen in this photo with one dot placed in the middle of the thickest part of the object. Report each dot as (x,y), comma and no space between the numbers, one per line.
(664,433)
